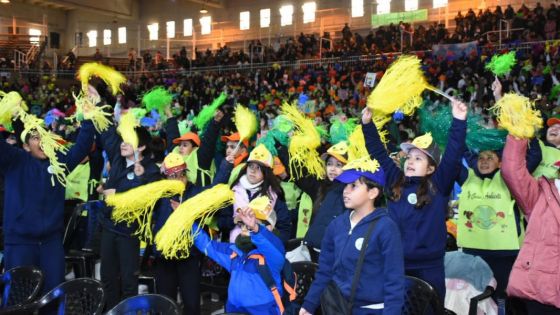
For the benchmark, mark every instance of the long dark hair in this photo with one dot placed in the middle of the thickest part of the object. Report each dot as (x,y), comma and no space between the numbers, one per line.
(270,181)
(423,192)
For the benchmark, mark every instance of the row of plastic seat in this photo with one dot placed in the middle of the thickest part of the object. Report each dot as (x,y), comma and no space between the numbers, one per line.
(21,287)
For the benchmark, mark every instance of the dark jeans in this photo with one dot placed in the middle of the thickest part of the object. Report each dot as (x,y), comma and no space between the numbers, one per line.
(47,256)
(501,267)
(536,308)
(119,266)
(182,273)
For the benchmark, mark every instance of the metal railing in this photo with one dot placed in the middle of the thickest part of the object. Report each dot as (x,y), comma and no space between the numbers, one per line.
(20,59)
(289,64)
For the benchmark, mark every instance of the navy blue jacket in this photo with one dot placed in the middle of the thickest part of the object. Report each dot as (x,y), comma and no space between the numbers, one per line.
(33,207)
(382,275)
(423,230)
(331,207)
(118,178)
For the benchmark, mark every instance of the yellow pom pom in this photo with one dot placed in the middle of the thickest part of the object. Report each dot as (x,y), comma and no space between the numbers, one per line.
(517,114)
(303,144)
(177,236)
(245,122)
(363,164)
(11,106)
(137,205)
(126,129)
(50,143)
(399,88)
(87,108)
(112,77)
(261,206)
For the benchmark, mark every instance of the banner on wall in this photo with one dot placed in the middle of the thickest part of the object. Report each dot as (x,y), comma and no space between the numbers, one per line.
(455,51)
(378,20)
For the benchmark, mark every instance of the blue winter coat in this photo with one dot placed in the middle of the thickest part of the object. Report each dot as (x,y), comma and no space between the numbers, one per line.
(423,230)
(382,276)
(33,207)
(247,292)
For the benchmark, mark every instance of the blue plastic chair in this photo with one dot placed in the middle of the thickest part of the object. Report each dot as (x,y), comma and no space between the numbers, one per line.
(153,304)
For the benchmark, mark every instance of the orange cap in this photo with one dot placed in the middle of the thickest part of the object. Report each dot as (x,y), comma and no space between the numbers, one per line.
(234,137)
(188,136)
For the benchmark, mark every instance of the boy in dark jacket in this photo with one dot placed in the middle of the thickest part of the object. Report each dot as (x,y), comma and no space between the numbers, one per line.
(34,204)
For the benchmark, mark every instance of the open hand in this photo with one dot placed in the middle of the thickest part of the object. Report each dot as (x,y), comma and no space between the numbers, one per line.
(247,215)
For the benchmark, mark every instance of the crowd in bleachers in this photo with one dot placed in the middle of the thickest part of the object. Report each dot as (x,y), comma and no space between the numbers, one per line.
(413,179)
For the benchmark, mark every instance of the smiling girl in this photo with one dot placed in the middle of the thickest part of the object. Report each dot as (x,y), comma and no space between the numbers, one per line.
(418,197)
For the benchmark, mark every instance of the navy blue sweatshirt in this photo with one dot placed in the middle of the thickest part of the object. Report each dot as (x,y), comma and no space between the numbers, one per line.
(119,178)
(423,230)
(331,207)
(33,207)
(382,275)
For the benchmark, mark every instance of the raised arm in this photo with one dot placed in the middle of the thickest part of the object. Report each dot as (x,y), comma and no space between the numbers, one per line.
(523,187)
(208,146)
(450,165)
(219,252)
(377,150)
(9,155)
(82,146)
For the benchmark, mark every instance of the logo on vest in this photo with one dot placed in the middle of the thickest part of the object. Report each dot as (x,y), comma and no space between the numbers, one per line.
(412,199)
(359,242)
(485,218)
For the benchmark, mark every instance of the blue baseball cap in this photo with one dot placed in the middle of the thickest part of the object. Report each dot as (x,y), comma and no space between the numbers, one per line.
(351,175)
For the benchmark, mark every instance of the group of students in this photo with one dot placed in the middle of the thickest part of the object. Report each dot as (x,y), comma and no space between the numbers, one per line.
(333,215)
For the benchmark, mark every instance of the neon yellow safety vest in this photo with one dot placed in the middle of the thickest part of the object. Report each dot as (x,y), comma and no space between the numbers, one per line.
(486,215)
(193,169)
(77,183)
(546,168)
(292,193)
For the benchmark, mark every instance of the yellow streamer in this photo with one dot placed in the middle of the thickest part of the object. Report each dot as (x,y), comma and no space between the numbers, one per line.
(177,236)
(517,114)
(137,205)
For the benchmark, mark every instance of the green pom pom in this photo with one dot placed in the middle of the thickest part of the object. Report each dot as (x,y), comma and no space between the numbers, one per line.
(158,98)
(501,65)
(269,142)
(183,127)
(340,131)
(438,121)
(139,113)
(207,113)
(555,92)
(282,124)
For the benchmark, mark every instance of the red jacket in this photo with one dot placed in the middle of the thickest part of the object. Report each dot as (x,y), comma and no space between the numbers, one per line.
(536,272)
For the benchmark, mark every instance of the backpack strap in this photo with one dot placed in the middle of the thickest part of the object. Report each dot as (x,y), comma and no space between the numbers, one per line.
(266,275)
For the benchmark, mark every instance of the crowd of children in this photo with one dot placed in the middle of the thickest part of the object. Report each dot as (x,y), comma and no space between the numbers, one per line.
(357,207)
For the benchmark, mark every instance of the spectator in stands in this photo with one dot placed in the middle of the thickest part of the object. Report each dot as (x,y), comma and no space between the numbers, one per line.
(159,61)
(97,56)
(131,59)
(147,60)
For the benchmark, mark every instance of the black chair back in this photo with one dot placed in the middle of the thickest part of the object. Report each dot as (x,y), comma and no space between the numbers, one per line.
(152,304)
(420,297)
(305,273)
(20,285)
(81,296)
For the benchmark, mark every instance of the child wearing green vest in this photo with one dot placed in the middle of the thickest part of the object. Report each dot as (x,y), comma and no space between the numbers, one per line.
(489,223)
(550,150)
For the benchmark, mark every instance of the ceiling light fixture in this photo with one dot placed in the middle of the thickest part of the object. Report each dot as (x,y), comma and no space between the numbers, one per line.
(4,1)
(203,11)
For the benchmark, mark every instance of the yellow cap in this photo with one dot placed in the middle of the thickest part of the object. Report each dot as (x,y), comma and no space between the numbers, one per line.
(261,155)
